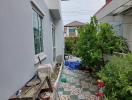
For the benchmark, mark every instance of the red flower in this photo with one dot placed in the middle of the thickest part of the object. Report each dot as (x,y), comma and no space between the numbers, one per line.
(101,84)
(99,94)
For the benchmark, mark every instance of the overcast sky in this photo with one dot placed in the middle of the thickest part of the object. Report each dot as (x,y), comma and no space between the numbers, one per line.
(80,10)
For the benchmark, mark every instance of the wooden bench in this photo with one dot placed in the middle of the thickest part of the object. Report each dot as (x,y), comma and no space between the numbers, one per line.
(32,92)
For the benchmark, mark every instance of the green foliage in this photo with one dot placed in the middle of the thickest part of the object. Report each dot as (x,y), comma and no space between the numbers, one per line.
(121,45)
(86,46)
(117,75)
(96,40)
(68,45)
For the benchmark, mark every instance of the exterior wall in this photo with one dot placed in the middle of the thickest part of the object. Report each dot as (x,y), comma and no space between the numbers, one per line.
(59,41)
(67,34)
(53,5)
(17,49)
(17,43)
(67,31)
(113,5)
(121,23)
(128,34)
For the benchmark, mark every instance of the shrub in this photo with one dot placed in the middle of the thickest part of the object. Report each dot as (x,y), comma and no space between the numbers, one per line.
(70,45)
(97,40)
(117,75)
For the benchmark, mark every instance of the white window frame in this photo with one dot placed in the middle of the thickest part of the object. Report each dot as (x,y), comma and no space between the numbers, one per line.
(70,33)
(41,55)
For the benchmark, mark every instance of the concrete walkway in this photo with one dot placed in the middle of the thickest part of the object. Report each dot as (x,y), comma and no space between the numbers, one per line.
(78,86)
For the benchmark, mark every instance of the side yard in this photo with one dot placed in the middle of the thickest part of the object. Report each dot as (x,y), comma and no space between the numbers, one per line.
(97,45)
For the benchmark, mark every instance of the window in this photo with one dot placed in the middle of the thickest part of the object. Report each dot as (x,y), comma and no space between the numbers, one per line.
(119,29)
(72,30)
(38,32)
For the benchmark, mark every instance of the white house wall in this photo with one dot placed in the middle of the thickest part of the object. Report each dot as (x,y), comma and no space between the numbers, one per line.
(53,5)
(17,43)
(59,41)
(16,46)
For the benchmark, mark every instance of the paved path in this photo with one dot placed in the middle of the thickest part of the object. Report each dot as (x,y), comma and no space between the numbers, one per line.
(78,86)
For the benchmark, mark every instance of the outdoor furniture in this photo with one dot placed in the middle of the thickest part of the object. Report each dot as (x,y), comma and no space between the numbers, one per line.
(32,92)
(36,86)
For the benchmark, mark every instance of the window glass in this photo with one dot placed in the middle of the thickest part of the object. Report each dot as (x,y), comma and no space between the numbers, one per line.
(38,32)
(72,30)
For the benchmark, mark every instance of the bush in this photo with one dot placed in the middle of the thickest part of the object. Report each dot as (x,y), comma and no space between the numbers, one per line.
(70,45)
(97,40)
(117,75)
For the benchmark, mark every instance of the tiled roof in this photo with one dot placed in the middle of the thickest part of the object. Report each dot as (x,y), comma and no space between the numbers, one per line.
(74,23)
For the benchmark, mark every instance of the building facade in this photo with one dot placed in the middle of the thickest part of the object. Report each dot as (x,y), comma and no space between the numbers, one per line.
(28,29)
(119,14)
(70,30)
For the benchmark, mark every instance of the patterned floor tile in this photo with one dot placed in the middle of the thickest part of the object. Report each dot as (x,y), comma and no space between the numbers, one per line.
(60,89)
(66,92)
(64,97)
(78,86)
(85,89)
(76,91)
(74,97)
(81,97)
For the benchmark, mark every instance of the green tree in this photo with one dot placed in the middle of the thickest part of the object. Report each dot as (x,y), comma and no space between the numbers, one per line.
(86,46)
(96,40)
(69,45)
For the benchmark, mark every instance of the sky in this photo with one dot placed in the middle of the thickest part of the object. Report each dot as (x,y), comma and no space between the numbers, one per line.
(80,10)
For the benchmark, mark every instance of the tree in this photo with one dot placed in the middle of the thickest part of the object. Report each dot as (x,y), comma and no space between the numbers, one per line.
(68,46)
(96,40)
(86,46)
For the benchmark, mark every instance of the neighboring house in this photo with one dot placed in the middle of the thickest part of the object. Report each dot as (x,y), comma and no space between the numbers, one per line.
(28,29)
(70,30)
(119,14)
